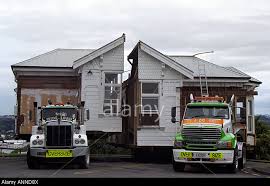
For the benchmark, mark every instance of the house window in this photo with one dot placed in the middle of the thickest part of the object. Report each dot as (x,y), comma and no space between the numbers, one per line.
(250,116)
(150,104)
(112,93)
(250,107)
(150,97)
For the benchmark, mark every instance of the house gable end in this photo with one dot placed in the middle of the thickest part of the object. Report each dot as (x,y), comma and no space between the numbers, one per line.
(99,52)
(166,60)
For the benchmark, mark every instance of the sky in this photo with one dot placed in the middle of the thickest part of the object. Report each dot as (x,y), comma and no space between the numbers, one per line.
(236,30)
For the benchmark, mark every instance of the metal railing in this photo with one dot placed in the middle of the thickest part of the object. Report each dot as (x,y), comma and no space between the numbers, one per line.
(7,146)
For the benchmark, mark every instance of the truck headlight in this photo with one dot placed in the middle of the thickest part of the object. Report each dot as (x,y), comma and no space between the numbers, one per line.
(77,141)
(34,142)
(82,141)
(40,142)
(224,144)
(178,144)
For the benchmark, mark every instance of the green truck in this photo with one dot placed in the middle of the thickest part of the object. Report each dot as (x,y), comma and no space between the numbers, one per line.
(208,135)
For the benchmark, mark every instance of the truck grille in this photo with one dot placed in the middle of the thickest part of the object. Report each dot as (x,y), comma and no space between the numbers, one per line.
(209,134)
(59,136)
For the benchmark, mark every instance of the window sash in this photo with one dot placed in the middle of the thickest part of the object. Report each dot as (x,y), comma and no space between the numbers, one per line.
(118,80)
(250,124)
(113,100)
(153,108)
(147,90)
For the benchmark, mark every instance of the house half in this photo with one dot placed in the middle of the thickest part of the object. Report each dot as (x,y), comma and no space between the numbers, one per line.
(73,75)
(164,81)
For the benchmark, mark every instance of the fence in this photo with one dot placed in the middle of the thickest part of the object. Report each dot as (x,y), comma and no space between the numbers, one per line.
(7,146)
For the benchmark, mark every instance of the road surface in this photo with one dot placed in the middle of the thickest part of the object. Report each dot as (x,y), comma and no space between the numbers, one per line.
(17,168)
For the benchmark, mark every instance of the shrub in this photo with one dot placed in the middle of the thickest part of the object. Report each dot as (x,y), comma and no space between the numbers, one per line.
(263,138)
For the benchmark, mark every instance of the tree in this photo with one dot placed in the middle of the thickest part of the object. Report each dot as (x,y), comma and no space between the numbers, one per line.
(263,138)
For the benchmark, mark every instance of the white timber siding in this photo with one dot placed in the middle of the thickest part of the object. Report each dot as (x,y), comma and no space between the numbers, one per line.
(92,89)
(151,69)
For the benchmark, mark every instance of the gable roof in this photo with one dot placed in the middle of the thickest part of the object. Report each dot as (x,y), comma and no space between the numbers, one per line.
(163,58)
(67,58)
(252,79)
(212,70)
(99,51)
(55,58)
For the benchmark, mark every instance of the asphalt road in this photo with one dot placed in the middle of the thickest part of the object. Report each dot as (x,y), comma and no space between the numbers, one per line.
(17,168)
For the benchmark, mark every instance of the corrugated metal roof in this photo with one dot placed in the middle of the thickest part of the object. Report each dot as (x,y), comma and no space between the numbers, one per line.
(212,70)
(238,71)
(55,58)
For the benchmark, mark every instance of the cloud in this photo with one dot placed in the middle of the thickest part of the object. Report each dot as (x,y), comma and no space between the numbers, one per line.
(236,30)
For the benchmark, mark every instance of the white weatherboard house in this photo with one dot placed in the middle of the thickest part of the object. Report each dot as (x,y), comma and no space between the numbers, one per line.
(90,75)
(164,81)
(101,80)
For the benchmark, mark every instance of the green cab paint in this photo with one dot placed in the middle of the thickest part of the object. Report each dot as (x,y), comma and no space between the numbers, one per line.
(178,137)
(207,104)
(229,137)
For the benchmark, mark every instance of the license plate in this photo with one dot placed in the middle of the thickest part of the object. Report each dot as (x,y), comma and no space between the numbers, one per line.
(216,155)
(199,155)
(58,154)
(186,154)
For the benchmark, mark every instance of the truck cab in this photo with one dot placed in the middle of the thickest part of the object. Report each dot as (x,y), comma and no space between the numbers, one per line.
(60,136)
(207,135)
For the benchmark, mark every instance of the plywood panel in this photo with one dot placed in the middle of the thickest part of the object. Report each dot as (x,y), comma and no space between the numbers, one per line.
(41,96)
(46,97)
(27,106)
(71,99)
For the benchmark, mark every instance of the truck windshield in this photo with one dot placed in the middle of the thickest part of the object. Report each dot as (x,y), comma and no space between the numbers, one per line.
(207,112)
(52,114)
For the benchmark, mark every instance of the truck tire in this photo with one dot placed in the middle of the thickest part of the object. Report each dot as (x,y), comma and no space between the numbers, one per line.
(178,167)
(233,168)
(242,161)
(32,162)
(84,161)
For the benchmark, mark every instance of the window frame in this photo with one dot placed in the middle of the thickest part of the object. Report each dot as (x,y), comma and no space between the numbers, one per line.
(118,100)
(149,95)
(250,116)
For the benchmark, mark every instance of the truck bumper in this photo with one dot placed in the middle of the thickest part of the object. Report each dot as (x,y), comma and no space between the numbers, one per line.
(76,151)
(204,156)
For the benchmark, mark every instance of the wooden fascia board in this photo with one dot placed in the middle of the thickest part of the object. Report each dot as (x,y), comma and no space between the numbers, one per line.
(188,73)
(99,52)
(225,80)
(41,69)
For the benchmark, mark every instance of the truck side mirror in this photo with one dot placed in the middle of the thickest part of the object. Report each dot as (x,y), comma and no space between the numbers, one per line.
(30,115)
(173,120)
(87,114)
(173,114)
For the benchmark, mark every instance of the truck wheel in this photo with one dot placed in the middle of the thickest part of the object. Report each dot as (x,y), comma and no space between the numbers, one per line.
(242,161)
(178,167)
(84,161)
(233,168)
(32,162)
